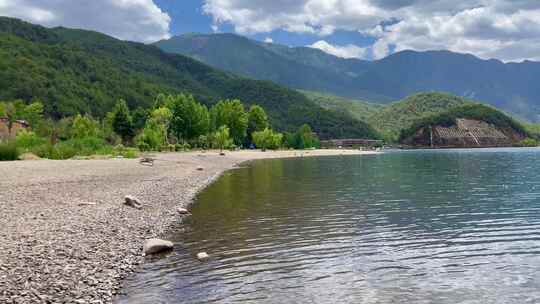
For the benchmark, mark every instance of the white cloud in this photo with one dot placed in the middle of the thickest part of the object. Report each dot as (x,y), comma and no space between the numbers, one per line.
(504,29)
(345,51)
(268,40)
(137,20)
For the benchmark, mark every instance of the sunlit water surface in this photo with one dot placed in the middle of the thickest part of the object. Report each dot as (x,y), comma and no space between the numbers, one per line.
(459,226)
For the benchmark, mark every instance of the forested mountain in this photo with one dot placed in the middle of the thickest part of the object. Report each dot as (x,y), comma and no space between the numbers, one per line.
(509,86)
(77,71)
(301,68)
(402,115)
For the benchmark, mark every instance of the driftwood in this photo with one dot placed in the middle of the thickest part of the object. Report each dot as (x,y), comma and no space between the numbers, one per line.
(146,161)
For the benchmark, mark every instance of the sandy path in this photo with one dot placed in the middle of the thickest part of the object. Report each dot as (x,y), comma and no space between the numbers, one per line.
(66,237)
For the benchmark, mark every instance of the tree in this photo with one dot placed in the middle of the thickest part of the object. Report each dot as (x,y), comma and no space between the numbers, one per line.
(121,121)
(231,113)
(304,138)
(155,132)
(190,119)
(139,117)
(33,114)
(221,138)
(257,121)
(10,113)
(267,139)
(84,127)
(151,137)
(162,118)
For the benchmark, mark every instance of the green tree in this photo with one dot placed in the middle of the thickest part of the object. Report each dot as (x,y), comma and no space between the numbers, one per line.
(10,114)
(162,118)
(84,127)
(121,121)
(231,113)
(151,137)
(139,117)
(304,138)
(257,121)
(33,114)
(190,119)
(221,138)
(267,139)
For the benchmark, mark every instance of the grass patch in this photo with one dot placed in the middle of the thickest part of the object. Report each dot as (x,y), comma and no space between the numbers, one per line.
(9,151)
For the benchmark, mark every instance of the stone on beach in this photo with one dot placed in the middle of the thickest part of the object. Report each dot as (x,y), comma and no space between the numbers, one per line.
(202,256)
(152,246)
(132,202)
(182,211)
(199,168)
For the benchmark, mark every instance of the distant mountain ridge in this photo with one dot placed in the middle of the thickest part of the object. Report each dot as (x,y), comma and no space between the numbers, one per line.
(509,86)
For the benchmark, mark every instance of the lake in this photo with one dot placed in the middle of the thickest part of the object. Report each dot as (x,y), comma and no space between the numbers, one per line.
(447,226)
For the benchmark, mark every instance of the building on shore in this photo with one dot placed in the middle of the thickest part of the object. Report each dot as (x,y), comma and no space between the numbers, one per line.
(354,143)
(16,126)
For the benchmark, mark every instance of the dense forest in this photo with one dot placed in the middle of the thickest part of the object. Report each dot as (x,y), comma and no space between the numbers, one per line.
(82,72)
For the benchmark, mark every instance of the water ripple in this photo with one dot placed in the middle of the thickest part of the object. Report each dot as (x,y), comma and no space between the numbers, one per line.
(411,227)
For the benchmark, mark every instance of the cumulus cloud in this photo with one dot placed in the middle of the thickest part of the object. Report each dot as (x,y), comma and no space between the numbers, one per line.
(137,20)
(504,29)
(345,51)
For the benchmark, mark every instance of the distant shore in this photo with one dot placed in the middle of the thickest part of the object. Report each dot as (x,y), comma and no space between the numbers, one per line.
(66,235)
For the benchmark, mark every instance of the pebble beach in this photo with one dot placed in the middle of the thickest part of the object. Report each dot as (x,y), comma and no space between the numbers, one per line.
(67,237)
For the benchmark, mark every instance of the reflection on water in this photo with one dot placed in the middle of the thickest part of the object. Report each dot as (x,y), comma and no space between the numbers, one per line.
(407,227)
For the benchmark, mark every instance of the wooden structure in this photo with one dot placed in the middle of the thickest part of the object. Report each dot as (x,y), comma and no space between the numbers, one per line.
(6,133)
(351,143)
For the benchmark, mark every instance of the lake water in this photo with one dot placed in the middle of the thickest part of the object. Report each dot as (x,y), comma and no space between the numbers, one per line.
(456,226)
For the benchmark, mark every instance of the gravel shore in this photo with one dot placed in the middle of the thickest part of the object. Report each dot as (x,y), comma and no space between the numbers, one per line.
(66,236)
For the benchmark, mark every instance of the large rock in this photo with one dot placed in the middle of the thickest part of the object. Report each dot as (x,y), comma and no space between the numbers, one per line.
(202,256)
(132,202)
(153,246)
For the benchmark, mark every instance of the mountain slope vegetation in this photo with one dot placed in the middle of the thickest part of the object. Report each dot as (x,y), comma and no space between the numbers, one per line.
(358,109)
(402,115)
(508,86)
(77,71)
(300,68)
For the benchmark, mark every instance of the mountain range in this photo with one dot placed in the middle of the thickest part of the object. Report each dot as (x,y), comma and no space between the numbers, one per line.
(508,86)
(77,71)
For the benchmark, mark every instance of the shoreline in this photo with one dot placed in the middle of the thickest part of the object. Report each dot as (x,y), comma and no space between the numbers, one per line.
(68,238)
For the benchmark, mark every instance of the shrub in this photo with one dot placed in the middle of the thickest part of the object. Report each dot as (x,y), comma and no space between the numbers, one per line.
(528,142)
(59,151)
(182,147)
(221,138)
(9,151)
(267,139)
(26,140)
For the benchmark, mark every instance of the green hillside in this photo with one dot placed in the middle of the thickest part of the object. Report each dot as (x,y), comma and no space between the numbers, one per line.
(468,111)
(76,71)
(300,68)
(401,115)
(507,86)
(358,109)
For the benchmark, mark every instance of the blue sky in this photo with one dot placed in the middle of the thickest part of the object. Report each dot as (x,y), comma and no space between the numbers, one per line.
(508,30)
(187,16)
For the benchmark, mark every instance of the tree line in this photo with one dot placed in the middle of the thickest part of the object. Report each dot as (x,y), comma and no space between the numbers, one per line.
(174,123)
